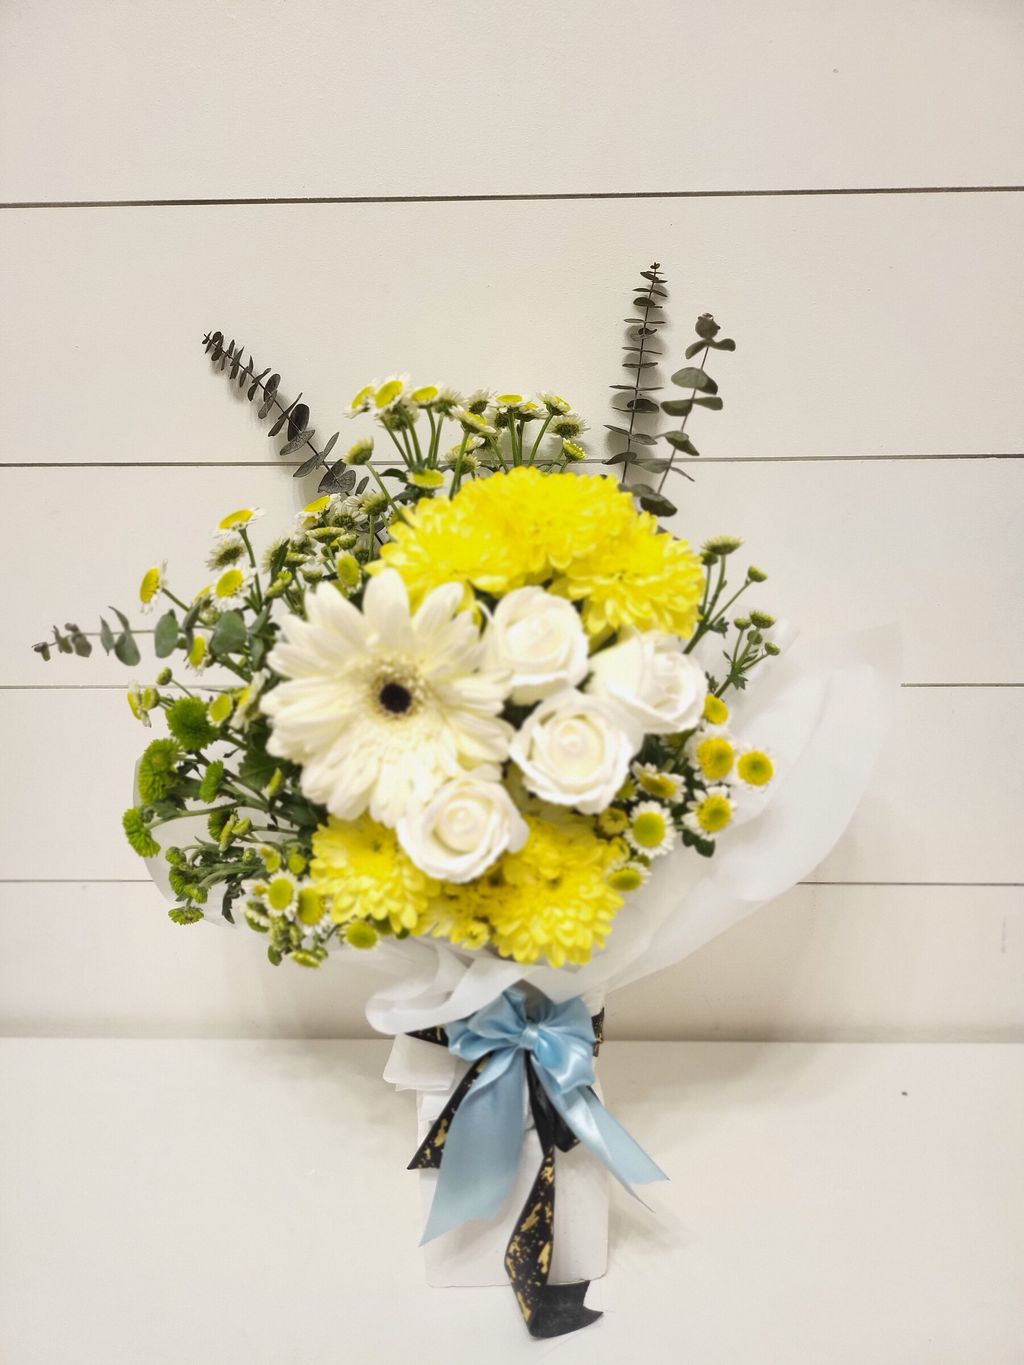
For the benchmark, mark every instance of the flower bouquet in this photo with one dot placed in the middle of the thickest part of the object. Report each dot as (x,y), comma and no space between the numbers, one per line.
(479,717)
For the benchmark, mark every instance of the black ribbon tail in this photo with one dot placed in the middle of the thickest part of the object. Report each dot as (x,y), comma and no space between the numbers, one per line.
(549,1310)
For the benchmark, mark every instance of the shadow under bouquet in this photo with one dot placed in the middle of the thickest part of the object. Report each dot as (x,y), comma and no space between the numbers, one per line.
(479,717)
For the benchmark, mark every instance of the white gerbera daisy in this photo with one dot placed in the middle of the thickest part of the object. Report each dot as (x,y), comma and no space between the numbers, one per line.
(380,706)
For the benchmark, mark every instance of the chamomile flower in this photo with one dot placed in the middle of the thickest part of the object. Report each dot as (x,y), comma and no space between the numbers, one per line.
(664,786)
(446,401)
(427,478)
(651,831)
(373,502)
(387,394)
(715,710)
(477,402)
(361,401)
(755,768)
(568,425)
(473,422)
(613,820)
(573,451)
(138,697)
(556,405)
(248,697)
(714,754)
(235,521)
(281,894)
(154,580)
(709,813)
(228,550)
(628,876)
(230,588)
(360,452)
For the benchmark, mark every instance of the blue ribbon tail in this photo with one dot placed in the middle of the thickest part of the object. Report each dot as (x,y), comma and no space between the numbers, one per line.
(482,1147)
(603,1135)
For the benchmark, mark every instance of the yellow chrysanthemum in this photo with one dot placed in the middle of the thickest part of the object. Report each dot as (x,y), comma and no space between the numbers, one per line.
(362,867)
(552,899)
(501,533)
(644,577)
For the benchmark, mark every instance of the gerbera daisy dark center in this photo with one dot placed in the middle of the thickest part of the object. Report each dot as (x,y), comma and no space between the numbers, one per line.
(395,698)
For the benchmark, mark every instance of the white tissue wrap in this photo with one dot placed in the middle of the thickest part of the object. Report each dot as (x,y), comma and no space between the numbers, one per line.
(823,711)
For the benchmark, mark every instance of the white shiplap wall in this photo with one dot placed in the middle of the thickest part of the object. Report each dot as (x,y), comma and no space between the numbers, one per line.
(466,190)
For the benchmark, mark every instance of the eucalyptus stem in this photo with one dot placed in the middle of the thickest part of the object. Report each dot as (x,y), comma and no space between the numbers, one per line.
(672,458)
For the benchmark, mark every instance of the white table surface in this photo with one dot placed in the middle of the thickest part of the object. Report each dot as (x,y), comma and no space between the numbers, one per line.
(214,1202)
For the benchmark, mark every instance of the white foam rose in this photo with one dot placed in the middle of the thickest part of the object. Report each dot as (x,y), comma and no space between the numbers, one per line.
(462,829)
(540,640)
(573,752)
(648,679)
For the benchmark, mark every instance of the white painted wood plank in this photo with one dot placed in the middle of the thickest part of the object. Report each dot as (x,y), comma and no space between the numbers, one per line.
(215,99)
(827,1203)
(947,793)
(877,325)
(932,545)
(836,963)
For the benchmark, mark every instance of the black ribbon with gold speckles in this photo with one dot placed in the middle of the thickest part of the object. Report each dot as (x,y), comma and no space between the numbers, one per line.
(549,1310)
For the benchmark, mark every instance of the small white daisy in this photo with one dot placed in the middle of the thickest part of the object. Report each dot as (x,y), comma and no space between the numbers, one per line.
(651,831)
(651,779)
(240,519)
(231,587)
(710,813)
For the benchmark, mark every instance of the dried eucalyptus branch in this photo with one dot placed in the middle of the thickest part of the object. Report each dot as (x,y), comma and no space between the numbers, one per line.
(295,415)
(640,357)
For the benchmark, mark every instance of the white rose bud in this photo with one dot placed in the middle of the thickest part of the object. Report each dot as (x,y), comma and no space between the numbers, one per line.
(462,829)
(540,640)
(657,688)
(572,752)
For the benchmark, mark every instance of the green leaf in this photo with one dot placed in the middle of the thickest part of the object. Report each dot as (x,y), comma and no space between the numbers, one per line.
(681,407)
(229,634)
(654,464)
(653,501)
(165,636)
(639,405)
(126,650)
(680,441)
(725,345)
(706,326)
(43,649)
(692,378)
(106,636)
(694,348)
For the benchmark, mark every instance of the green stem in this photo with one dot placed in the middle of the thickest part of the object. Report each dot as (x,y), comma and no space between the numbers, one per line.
(176,600)
(682,429)
(540,437)
(457,475)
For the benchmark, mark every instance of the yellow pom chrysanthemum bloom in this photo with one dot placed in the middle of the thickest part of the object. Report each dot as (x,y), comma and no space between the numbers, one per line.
(361,866)
(550,900)
(644,578)
(528,527)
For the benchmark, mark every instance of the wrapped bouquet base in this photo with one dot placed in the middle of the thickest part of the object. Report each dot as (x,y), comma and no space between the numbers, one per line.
(474,1254)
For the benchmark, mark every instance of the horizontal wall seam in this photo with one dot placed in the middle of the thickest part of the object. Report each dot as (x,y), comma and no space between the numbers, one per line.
(386,464)
(526,197)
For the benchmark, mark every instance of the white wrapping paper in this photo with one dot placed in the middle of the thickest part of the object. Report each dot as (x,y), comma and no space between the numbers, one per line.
(823,711)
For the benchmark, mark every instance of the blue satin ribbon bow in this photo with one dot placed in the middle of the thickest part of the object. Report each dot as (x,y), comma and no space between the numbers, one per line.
(484,1140)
